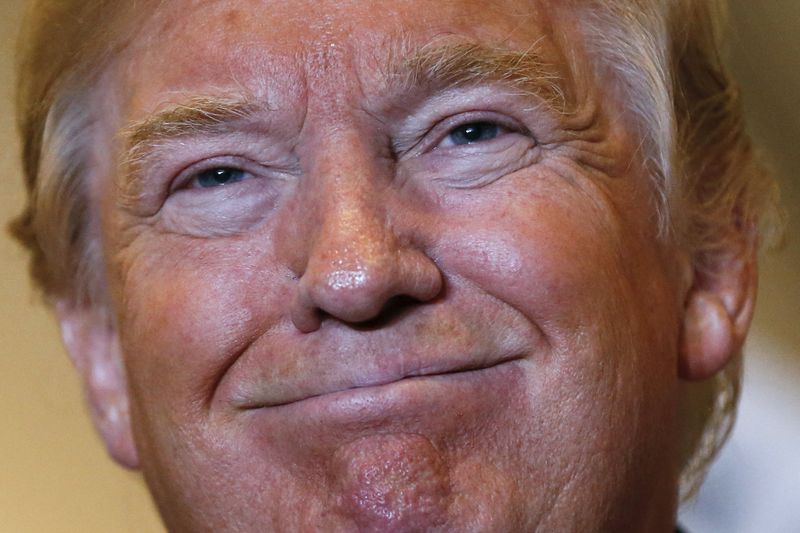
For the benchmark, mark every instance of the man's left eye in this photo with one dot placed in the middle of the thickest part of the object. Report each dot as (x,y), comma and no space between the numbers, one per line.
(216,177)
(473,132)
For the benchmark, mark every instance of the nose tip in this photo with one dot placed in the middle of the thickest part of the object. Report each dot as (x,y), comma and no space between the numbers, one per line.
(355,287)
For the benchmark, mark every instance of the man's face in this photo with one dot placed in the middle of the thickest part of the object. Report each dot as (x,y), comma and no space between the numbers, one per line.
(358,289)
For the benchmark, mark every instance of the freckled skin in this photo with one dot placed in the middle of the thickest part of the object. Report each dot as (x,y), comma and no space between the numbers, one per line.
(352,339)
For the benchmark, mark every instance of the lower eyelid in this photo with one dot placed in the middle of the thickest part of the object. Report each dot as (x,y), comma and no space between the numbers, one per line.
(476,165)
(234,201)
(220,213)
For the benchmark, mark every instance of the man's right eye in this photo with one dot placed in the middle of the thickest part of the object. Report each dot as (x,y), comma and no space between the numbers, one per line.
(218,176)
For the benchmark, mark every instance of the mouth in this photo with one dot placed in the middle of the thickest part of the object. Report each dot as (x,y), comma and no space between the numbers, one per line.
(374,386)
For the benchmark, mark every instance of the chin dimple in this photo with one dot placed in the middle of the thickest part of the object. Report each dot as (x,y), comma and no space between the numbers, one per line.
(392,482)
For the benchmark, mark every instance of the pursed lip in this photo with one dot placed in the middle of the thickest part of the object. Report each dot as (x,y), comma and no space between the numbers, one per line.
(457,366)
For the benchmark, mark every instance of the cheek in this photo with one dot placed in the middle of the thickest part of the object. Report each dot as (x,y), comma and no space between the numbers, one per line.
(565,263)
(542,256)
(188,314)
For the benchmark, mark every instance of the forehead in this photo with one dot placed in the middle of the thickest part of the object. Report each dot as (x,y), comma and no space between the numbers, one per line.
(261,47)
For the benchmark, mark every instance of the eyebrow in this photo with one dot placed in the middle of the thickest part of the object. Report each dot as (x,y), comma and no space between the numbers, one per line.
(201,115)
(467,64)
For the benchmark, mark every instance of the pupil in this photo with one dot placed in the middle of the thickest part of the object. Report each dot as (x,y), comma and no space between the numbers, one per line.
(475,132)
(218,176)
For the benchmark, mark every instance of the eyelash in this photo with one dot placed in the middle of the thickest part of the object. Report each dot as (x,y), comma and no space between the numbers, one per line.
(446,126)
(186,178)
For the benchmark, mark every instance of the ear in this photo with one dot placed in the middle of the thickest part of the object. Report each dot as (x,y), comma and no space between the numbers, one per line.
(718,311)
(93,346)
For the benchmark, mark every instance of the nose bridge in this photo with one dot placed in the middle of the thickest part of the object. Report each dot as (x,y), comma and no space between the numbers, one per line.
(355,259)
(353,239)
(351,204)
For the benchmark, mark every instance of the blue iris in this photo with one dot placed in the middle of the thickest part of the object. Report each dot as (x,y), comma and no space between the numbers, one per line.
(216,177)
(474,132)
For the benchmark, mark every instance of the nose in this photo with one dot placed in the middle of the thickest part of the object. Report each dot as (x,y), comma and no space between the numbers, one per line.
(357,261)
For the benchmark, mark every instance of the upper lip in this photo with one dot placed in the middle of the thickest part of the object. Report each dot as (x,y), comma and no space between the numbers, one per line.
(257,394)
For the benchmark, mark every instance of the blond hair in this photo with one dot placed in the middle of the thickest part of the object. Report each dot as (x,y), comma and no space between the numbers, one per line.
(663,54)
(64,49)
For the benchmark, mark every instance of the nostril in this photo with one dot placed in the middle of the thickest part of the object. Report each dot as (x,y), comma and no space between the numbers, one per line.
(395,308)
(393,311)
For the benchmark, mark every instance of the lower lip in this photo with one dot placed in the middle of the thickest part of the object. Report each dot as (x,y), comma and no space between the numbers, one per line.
(435,400)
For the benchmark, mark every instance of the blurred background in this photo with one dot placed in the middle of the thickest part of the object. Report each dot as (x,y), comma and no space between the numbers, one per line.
(55,476)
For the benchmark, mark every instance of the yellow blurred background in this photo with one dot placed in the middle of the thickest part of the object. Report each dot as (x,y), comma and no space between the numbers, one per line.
(54,474)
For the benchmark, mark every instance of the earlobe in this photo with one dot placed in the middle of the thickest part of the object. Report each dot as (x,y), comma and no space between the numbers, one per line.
(94,348)
(717,314)
(708,342)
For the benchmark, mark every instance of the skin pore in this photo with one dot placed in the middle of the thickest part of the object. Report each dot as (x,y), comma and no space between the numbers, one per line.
(379,302)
